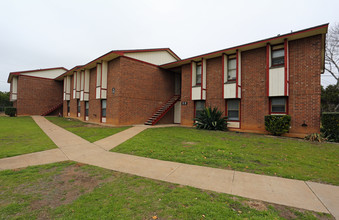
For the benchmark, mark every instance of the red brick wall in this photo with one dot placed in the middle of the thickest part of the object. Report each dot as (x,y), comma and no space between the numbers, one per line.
(305,89)
(64,108)
(141,90)
(214,84)
(114,100)
(254,100)
(94,111)
(187,111)
(37,95)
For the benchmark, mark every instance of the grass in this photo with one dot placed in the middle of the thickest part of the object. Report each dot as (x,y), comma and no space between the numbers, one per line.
(21,135)
(75,191)
(90,132)
(261,154)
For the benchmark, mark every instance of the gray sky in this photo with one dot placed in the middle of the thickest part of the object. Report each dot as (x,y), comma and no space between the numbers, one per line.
(44,33)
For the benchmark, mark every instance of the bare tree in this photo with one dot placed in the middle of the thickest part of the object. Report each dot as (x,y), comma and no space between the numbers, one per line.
(332,52)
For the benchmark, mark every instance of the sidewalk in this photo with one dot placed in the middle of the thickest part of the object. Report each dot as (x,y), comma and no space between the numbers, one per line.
(32,159)
(110,142)
(300,194)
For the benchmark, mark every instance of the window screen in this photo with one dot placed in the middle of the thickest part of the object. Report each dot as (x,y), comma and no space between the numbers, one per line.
(198,74)
(103,108)
(199,107)
(278,57)
(68,107)
(86,108)
(278,105)
(233,110)
(232,69)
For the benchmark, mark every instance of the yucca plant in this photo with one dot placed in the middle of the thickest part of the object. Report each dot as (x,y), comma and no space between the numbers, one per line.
(315,137)
(210,119)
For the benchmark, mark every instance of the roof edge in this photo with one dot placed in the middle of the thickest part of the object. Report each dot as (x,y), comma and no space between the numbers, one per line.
(17,73)
(149,50)
(121,53)
(68,71)
(251,43)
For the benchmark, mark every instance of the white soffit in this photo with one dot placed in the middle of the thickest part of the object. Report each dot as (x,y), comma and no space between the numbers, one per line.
(154,57)
(49,74)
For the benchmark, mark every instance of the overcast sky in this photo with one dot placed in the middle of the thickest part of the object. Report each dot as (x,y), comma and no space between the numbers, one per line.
(42,34)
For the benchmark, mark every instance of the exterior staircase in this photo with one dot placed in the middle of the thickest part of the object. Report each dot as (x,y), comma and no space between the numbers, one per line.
(51,109)
(161,112)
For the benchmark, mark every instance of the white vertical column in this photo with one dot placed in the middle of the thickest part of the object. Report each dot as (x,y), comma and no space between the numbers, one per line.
(98,83)
(86,88)
(104,80)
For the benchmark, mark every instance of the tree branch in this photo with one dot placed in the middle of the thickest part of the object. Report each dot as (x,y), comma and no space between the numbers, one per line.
(333,74)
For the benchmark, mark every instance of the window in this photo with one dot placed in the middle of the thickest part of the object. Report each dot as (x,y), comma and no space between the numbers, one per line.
(233,107)
(68,107)
(78,104)
(231,69)
(103,108)
(198,74)
(278,105)
(278,55)
(199,107)
(86,108)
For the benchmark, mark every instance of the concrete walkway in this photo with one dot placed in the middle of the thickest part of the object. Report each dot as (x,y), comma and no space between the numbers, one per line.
(110,142)
(300,194)
(38,158)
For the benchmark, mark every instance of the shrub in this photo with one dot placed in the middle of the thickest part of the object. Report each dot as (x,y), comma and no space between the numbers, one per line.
(10,111)
(315,137)
(211,119)
(330,125)
(277,124)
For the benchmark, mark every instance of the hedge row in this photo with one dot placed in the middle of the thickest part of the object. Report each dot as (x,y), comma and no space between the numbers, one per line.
(330,125)
(277,124)
(10,111)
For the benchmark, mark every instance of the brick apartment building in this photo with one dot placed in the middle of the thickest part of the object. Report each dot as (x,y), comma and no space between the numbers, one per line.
(35,92)
(278,75)
(120,87)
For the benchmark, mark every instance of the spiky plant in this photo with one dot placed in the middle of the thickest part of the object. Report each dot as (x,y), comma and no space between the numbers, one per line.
(315,137)
(211,119)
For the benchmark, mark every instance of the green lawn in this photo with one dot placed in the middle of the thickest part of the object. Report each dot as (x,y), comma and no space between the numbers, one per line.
(88,131)
(75,191)
(262,154)
(21,135)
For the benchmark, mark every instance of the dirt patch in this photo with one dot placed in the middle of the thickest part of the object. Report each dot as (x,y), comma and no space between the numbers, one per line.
(284,211)
(289,213)
(257,205)
(62,188)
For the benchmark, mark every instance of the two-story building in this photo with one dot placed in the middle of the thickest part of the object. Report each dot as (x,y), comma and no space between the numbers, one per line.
(278,75)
